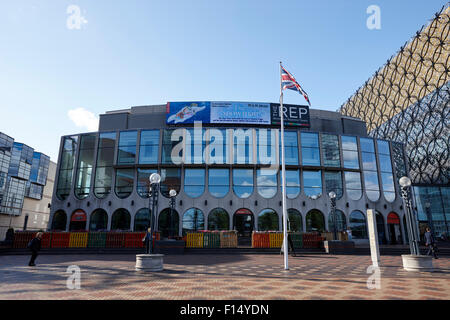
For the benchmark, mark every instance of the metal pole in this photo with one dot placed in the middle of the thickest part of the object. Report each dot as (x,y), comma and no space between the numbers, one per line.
(283,179)
(413,245)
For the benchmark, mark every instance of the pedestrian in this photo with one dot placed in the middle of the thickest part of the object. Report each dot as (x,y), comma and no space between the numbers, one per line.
(430,243)
(34,245)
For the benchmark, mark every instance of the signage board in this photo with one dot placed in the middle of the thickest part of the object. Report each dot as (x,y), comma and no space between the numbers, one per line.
(294,115)
(187,112)
(240,112)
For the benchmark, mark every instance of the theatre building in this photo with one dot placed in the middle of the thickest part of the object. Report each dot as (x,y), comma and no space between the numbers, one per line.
(223,160)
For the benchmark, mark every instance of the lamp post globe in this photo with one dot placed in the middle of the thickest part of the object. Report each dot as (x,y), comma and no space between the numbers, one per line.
(155,178)
(172,193)
(405,182)
(332,195)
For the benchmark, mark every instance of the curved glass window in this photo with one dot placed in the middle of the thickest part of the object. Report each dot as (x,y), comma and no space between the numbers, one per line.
(149,147)
(353,185)
(170,179)
(310,149)
(98,220)
(243,146)
(350,152)
(124,182)
(104,168)
(243,182)
(195,146)
(168,222)
(266,182)
(333,182)
(268,220)
(168,145)
(371,184)
(267,146)
(290,148)
(66,168)
(193,220)
(330,150)
(312,183)
(127,147)
(120,220)
(85,165)
(315,221)
(59,221)
(218,219)
(387,177)
(295,220)
(218,182)
(142,220)
(194,182)
(292,184)
(341,221)
(380,228)
(357,223)
(143,182)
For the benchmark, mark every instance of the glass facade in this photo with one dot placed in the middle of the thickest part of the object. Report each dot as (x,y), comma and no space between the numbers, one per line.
(353,184)
(310,149)
(295,220)
(387,177)
(85,166)
(219,182)
(266,182)
(124,182)
(350,152)
(315,221)
(194,182)
(358,226)
(104,166)
(268,220)
(170,179)
(127,147)
(312,182)
(218,219)
(67,164)
(143,182)
(149,147)
(330,150)
(243,182)
(333,182)
(341,221)
(193,220)
(370,169)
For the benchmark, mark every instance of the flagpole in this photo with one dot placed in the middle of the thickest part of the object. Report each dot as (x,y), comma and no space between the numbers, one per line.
(283,180)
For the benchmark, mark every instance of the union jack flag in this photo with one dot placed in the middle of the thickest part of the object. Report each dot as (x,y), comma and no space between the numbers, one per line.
(288,82)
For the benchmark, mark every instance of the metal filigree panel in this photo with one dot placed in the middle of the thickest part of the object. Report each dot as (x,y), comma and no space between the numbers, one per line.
(407,100)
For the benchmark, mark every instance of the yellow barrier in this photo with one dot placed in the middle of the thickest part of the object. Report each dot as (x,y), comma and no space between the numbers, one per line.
(194,240)
(78,240)
(228,239)
(275,239)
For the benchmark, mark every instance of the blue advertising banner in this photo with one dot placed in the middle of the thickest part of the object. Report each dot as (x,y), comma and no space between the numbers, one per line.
(240,112)
(187,112)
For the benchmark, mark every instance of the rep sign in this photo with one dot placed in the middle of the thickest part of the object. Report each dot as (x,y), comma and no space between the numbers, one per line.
(294,115)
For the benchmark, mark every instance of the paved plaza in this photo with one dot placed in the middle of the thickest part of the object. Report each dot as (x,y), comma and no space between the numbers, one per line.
(220,277)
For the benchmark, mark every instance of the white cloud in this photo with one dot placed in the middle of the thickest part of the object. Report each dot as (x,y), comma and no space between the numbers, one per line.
(84,118)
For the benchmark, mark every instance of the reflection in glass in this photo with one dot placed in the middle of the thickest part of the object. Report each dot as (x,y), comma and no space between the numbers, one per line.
(243,146)
(350,152)
(353,185)
(148,147)
(193,220)
(333,182)
(295,220)
(120,220)
(66,168)
(127,147)
(218,182)
(268,220)
(98,220)
(170,179)
(104,168)
(143,182)
(266,181)
(292,184)
(243,182)
(85,166)
(341,221)
(124,182)
(168,219)
(310,149)
(312,183)
(357,223)
(290,148)
(315,221)
(195,146)
(387,177)
(194,182)
(330,150)
(168,145)
(218,219)
(142,220)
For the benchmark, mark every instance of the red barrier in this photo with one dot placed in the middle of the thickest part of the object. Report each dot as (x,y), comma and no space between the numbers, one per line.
(115,240)
(134,239)
(60,239)
(22,238)
(46,241)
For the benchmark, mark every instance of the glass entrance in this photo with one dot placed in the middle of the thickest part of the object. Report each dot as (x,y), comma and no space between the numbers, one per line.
(243,223)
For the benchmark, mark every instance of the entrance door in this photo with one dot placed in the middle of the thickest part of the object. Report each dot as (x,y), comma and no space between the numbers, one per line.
(244,224)
(395,235)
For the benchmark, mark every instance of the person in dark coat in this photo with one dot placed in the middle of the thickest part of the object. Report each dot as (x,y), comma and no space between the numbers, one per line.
(34,245)
(430,243)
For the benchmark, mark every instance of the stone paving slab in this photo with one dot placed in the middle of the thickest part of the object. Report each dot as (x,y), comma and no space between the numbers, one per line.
(220,277)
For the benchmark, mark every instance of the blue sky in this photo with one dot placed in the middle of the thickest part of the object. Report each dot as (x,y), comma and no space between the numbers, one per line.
(131,53)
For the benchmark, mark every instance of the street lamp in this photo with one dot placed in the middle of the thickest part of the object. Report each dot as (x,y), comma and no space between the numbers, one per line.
(332,196)
(172,194)
(155,179)
(405,183)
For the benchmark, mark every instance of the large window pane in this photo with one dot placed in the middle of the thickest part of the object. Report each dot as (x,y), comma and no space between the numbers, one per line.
(149,146)
(330,150)
(98,220)
(143,182)
(193,220)
(194,182)
(142,220)
(124,182)
(333,182)
(341,222)
(353,185)
(292,184)
(310,149)
(266,181)
(312,181)
(217,146)
(168,145)
(120,220)
(243,146)
(295,220)
(267,146)
(104,169)
(357,223)
(85,166)
(170,179)
(315,221)
(127,147)
(243,182)
(268,220)
(218,219)
(195,146)
(219,182)
(350,152)
(387,177)
(168,222)
(66,169)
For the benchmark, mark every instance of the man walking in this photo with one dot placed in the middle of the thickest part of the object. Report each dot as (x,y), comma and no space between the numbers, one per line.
(429,242)
(34,245)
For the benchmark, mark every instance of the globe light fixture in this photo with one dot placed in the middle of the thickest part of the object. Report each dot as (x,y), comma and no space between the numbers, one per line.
(405,182)
(332,195)
(172,193)
(155,178)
